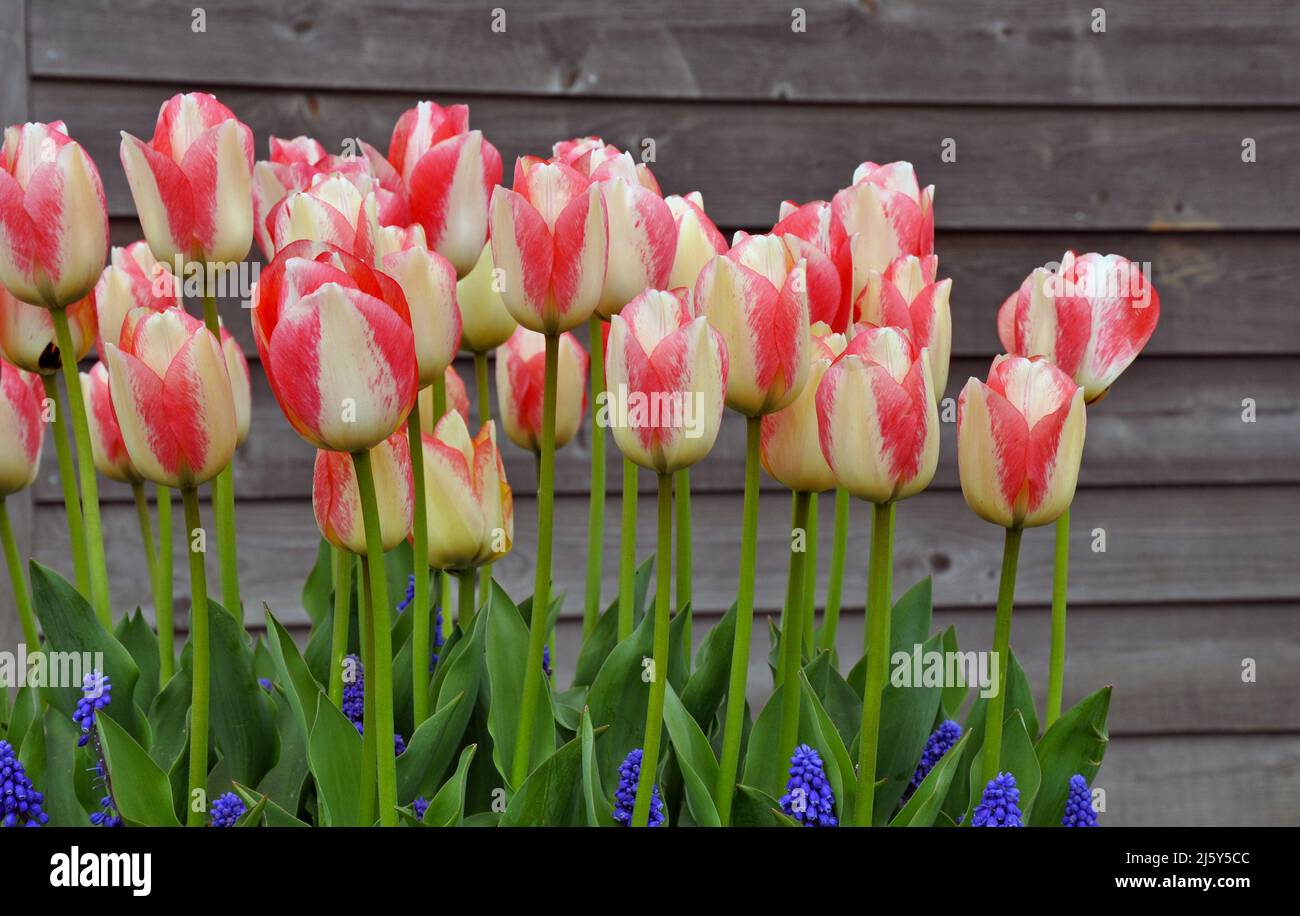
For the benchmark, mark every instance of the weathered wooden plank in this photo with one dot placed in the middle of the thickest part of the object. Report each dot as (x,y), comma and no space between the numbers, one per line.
(1110,169)
(1169,420)
(977,51)
(1177,544)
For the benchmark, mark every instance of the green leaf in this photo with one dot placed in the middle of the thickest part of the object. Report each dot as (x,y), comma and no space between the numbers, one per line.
(754,808)
(140,788)
(679,662)
(822,734)
(242,722)
(448,807)
(551,796)
(596,647)
(272,814)
(842,704)
(62,768)
(620,698)
(169,719)
(507,666)
(695,758)
(427,753)
(599,811)
(1074,743)
(334,754)
(318,590)
(284,782)
(569,706)
(926,802)
(954,695)
(461,674)
(708,681)
(300,687)
(906,720)
(1017,758)
(138,638)
(909,623)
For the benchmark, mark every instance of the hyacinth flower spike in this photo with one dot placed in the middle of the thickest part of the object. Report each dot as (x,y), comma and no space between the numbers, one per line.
(1079,811)
(808,798)
(227,809)
(625,797)
(999,805)
(20,803)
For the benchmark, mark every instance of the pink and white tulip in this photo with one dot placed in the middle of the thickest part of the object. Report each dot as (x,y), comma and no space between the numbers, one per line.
(457,399)
(134,278)
(429,283)
(27,337)
(106,444)
(22,430)
(521,376)
(240,385)
(485,322)
(790,440)
(642,235)
(815,225)
(336,498)
(330,210)
(885,214)
(470,507)
(907,295)
(698,239)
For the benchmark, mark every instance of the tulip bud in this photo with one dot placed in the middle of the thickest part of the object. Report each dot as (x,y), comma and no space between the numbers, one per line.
(21,430)
(790,444)
(336,498)
(907,296)
(133,279)
(393,239)
(469,504)
(457,399)
(885,215)
(192,183)
(27,337)
(106,444)
(878,417)
(172,397)
(332,210)
(1092,317)
(698,239)
(521,377)
(485,323)
(756,297)
(53,218)
(666,369)
(429,283)
(1020,441)
(240,385)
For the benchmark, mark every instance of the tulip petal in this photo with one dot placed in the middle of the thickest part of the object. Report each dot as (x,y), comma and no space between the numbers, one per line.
(163,199)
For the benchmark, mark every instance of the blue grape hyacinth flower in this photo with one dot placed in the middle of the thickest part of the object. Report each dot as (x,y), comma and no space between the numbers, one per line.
(227,810)
(1000,804)
(419,806)
(96,693)
(20,803)
(629,772)
(808,797)
(940,742)
(1078,804)
(354,702)
(438,640)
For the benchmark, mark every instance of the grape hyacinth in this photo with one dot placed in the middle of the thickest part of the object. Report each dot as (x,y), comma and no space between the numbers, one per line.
(420,805)
(265,684)
(808,798)
(354,702)
(625,798)
(999,806)
(227,810)
(940,742)
(437,621)
(1078,804)
(20,803)
(97,692)
(546,659)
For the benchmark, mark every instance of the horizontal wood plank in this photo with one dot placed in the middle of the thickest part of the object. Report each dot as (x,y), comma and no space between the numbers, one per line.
(1024,169)
(976,51)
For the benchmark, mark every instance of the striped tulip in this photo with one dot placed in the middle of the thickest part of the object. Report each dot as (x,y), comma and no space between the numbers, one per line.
(906,295)
(790,442)
(27,337)
(22,430)
(450,172)
(192,182)
(429,283)
(134,278)
(106,443)
(337,347)
(336,498)
(599,161)
(674,365)
(642,235)
(172,397)
(457,399)
(549,240)
(885,214)
(698,239)
(1020,441)
(240,385)
(521,375)
(392,239)
(470,507)
(53,218)
(485,323)
(815,225)
(1091,317)
(878,416)
(756,297)
(331,210)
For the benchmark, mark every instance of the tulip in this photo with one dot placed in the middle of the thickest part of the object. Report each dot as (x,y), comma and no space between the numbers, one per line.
(108,449)
(132,279)
(240,385)
(906,295)
(485,322)
(457,399)
(698,239)
(331,210)
(29,339)
(21,435)
(642,242)
(520,382)
(885,215)
(336,499)
(392,239)
(450,172)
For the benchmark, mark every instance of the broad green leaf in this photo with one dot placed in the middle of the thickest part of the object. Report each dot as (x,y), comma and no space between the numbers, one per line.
(679,662)
(569,706)
(842,704)
(1074,743)
(1017,758)
(924,806)
(708,681)
(507,666)
(243,727)
(300,687)
(552,794)
(140,788)
(598,809)
(448,807)
(596,647)
(754,808)
(272,814)
(138,638)
(317,591)
(427,753)
(168,719)
(284,782)
(695,758)
(829,742)
(906,718)
(954,695)
(334,754)
(62,767)
(620,697)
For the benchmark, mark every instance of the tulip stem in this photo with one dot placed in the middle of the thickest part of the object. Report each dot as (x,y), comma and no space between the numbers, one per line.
(369,771)
(22,600)
(86,466)
(654,720)
(420,606)
(484,393)
(1002,651)
(877,640)
(146,530)
(444,581)
(835,587)
(596,504)
(791,634)
(223,496)
(735,714)
(162,598)
(534,677)
(465,609)
(627,553)
(200,661)
(1060,585)
(379,677)
(341,562)
(810,577)
(68,479)
(685,558)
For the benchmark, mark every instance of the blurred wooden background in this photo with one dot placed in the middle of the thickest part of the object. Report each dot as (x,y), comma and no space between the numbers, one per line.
(1127,140)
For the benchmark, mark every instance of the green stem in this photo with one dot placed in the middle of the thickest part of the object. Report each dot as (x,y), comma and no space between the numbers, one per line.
(68,478)
(484,392)
(465,609)
(835,587)
(1060,585)
(369,764)
(200,660)
(810,578)
(627,553)
(22,600)
(379,676)
(1002,652)
(685,557)
(146,532)
(788,732)
(86,467)
(596,504)
(877,641)
(341,563)
(162,599)
(534,678)
(420,606)
(223,498)
(444,582)
(735,715)
(654,720)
